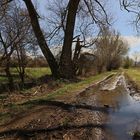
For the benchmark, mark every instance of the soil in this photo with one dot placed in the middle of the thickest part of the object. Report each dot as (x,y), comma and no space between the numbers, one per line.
(87,115)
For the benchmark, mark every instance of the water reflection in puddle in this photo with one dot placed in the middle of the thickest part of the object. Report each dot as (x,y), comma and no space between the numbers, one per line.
(122,118)
(124,113)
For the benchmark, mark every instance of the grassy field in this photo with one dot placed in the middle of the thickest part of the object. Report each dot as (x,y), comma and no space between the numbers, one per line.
(32,73)
(37,72)
(134,74)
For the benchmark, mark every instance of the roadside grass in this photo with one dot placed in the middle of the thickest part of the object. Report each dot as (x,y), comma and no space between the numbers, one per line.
(75,87)
(134,74)
(66,89)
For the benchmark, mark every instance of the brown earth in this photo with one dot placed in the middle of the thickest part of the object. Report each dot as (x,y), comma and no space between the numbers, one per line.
(81,116)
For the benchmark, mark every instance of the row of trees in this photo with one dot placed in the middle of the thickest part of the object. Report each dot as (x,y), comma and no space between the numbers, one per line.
(68,14)
(92,9)
(110,50)
(17,34)
(16,38)
(29,62)
(107,53)
(20,30)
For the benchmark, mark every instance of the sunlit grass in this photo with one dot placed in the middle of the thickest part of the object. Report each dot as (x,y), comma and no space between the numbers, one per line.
(32,73)
(134,74)
(37,72)
(74,87)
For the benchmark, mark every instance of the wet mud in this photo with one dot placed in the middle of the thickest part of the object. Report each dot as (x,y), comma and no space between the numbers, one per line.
(108,110)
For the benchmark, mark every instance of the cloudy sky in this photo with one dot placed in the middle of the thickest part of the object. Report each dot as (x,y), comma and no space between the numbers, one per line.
(122,23)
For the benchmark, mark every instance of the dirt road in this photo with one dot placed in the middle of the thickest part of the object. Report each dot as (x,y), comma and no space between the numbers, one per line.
(108,110)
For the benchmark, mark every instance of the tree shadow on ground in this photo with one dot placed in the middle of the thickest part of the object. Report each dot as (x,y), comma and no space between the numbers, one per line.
(32,132)
(66,106)
(18,86)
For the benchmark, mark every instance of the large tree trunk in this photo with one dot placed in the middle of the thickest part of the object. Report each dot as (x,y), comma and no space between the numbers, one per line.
(41,39)
(21,65)
(66,65)
(22,77)
(76,56)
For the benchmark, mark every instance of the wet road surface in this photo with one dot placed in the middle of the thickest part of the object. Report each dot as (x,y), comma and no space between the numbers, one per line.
(123,117)
(104,111)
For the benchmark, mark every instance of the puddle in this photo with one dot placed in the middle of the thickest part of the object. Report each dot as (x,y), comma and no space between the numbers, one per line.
(106,111)
(123,118)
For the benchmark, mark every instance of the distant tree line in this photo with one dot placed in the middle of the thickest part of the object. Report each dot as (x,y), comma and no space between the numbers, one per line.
(92,11)
(30,62)
(107,54)
(17,42)
(70,21)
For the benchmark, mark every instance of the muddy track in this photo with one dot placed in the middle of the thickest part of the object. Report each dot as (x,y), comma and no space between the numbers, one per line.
(90,116)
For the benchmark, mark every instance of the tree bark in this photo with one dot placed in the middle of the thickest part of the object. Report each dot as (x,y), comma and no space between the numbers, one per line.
(8,74)
(76,56)
(21,66)
(41,39)
(66,65)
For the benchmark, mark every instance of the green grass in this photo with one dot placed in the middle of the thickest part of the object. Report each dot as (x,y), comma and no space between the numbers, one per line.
(37,72)
(73,87)
(134,74)
(32,73)
(3,79)
(67,89)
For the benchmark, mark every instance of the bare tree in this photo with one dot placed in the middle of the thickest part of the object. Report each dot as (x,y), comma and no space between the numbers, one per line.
(22,62)
(41,38)
(110,49)
(136,56)
(65,68)
(14,27)
(3,9)
(127,62)
(88,18)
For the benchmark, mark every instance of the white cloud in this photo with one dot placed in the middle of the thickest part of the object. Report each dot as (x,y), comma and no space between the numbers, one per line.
(133,41)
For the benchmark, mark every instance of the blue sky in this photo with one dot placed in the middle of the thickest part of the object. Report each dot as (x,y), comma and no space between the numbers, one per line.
(122,23)
(122,19)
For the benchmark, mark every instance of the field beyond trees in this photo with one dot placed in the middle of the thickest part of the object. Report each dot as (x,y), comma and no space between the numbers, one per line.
(31,74)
